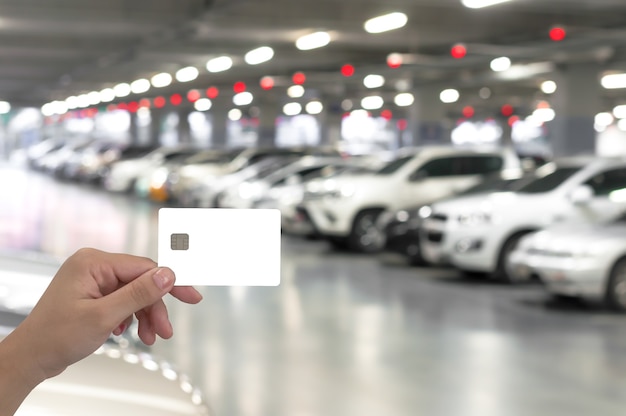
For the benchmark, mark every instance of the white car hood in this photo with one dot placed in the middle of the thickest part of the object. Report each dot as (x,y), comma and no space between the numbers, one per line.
(575,238)
(356,183)
(499,201)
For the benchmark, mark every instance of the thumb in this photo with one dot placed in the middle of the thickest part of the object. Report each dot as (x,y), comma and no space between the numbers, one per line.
(141,292)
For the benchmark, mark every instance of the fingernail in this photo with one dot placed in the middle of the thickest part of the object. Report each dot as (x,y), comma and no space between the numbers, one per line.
(163,278)
(121,329)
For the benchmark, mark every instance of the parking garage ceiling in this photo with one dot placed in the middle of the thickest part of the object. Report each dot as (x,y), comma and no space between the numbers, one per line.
(51,49)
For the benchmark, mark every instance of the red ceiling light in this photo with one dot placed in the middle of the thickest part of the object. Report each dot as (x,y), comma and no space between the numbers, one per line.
(144,103)
(557,33)
(212,92)
(513,120)
(122,106)
(159,102)
(402,124)
(267,83)
(468,111)
(133,106)
(458,51)
(193,96)
(386,114)
(347,70)
(298,78)
(394,60)
(176,99)
(507,110)
(239,87)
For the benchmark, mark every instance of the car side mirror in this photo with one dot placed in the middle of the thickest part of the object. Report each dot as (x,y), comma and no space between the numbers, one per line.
(581,195)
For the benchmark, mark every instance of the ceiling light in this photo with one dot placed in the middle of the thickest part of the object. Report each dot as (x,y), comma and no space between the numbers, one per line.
(449,96)
(614,81)
(121,90)
(72,102)
(313,41)
(295,91)
(622,125)
(314,107)
(140,86)
(373,102)
(548,87)
(479,4)
(620,111)
(374,81)
(385,23)
(500,64)
(189,73)
(404,99)
(604,119)
(219,64)
(94,98)
(203,104)
(161,80)
(544,114)
(484,93)
(107,95)
(259,55)
(292,109)
(243,98)
(234,114)
(83,101)
(5,107)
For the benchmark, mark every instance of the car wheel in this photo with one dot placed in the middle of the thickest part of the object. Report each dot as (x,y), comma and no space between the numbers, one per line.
(365,236)
(507,248)
(616,287)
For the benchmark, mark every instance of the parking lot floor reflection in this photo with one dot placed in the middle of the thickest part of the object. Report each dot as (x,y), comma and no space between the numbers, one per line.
(347,334)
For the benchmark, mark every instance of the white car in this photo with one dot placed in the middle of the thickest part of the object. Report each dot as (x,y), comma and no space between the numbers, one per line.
(122,175)
(345,211)
(119,378)
(478,233)
(586,261)
(250,193)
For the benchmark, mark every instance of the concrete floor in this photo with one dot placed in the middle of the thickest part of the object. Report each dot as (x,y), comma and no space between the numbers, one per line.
(346,334)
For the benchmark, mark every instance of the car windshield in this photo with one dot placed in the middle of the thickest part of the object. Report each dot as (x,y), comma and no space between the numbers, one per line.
(394,165)
(549,182)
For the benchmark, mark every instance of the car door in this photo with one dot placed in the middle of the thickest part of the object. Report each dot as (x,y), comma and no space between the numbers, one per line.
(444,176)
(608,199)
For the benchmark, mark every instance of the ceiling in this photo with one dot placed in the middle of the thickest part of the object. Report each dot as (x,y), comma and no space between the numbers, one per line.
(52,49)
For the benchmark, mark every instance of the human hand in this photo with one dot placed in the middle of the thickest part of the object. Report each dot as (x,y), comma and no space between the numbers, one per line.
(93,294)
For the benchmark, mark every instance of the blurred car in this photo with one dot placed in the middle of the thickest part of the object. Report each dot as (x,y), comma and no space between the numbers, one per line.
(477,233)
(586,261)
(54,162)
(205,192)
(346,210)
(122,175)
(249,194)
(156,183)
(401,228)
(94,163)
(188,182)
(294,219)
(121,377)
(39,150)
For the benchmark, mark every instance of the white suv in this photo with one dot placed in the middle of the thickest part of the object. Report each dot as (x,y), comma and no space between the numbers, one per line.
(478,233)
(345,211)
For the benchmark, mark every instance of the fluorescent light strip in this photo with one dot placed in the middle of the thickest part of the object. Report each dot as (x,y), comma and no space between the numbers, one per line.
(479,4)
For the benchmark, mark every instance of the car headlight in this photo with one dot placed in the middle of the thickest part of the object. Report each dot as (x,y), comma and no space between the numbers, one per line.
(250,190)
(474,218)
(159,177)
(425,212)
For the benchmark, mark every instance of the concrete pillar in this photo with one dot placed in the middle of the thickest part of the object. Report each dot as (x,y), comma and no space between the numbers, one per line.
(183,129)
(133,132)
(219,123)
(427,117)
(269,111)
(156,120)
(330,124)
(575,102)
